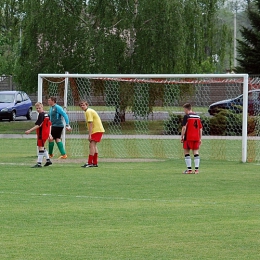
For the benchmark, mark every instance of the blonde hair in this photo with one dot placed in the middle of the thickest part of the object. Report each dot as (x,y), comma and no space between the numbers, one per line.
(38,104)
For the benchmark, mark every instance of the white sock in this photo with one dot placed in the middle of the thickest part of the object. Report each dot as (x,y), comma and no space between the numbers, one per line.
(40,157)
(188,161)
(46,154)
(197,161)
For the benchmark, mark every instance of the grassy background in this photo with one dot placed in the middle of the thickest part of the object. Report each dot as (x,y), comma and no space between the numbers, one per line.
(126,210)
(137,148)
(128,109)
(129,127)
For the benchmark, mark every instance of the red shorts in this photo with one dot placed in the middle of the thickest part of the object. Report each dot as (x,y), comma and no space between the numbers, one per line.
(191,145)
(96,137)
(41,142)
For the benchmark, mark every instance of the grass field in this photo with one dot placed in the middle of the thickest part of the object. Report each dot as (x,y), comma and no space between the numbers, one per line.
(129,127)
(126,210)
(155,109)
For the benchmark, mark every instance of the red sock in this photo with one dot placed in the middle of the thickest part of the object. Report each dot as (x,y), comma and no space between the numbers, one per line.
(95,159)
(90,159)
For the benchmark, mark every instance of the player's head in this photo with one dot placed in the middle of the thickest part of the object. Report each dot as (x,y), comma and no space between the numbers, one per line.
(52,101)
(187,108)
(83,105)
(39,107)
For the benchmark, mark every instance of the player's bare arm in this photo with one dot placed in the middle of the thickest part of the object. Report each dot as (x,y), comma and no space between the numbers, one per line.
(50,135)
(90,128)
(201,135)
(183,131)
(32,129)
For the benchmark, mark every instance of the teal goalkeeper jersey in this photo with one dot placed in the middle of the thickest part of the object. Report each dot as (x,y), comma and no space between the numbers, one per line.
(56,113)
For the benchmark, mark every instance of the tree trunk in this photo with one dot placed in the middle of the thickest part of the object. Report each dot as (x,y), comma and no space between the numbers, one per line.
(119,116)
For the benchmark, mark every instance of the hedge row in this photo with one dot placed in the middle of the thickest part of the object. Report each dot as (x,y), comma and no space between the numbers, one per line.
(225,123)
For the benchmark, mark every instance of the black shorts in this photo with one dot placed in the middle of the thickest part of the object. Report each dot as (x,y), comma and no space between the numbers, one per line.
(56,132)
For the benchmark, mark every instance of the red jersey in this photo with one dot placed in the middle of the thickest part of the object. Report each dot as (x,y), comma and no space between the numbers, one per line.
(44,122)
(193,125)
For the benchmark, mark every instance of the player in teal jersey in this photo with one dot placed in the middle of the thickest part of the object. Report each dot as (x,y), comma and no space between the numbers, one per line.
(56,114)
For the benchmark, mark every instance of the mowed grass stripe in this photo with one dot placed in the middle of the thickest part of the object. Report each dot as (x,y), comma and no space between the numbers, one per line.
(101,198)
(20,149)
(128,210)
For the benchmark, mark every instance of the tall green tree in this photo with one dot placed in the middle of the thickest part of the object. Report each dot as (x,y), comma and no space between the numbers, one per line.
(114,36)
(167,36)
(160,37)
(249,46)
(54,40)
(110,29)
(10,34)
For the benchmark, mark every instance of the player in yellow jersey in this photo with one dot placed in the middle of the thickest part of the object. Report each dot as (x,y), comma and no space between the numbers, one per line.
(96,130)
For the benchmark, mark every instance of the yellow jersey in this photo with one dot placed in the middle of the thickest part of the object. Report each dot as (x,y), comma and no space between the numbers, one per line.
(92,117)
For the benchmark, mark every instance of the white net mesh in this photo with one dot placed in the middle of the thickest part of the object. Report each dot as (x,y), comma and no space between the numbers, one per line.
(142,117)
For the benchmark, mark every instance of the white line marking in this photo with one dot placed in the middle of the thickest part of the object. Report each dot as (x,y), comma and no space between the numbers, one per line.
(86,197)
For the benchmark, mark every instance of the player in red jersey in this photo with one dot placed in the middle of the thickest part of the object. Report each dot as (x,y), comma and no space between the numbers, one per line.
(191,135)
(43,131)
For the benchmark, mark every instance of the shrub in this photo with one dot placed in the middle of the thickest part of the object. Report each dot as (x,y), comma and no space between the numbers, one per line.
(226,123)
(205,120)
(251,125)
(173,125)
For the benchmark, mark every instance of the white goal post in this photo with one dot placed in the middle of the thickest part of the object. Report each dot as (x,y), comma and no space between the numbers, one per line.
(243,77)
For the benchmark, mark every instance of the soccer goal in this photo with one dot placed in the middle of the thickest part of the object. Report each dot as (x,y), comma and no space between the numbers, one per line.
(142,114)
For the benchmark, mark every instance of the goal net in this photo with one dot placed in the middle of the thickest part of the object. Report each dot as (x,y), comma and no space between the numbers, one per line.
(142,114)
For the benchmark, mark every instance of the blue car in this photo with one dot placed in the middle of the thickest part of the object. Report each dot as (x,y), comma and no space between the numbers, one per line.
(236,104)
(14,104)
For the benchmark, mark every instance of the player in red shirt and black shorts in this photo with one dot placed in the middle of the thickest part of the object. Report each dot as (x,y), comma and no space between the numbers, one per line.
(43,131)
(191,135)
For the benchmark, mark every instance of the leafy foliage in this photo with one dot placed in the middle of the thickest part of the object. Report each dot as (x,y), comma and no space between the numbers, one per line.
(9,35)
(173,125)
(224,123)
(249,47)
(54,41)
(115,37)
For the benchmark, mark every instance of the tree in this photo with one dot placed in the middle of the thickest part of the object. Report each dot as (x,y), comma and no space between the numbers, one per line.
(159,37)
(10,18)
(54,40)
(112,36)
(249,46)
(167,36)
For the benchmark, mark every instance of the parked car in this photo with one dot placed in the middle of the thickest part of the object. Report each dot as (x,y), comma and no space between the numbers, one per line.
(14,104)
(236,104)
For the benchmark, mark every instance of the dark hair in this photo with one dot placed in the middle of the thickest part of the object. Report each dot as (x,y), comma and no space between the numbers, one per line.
(187,106)
(54,99)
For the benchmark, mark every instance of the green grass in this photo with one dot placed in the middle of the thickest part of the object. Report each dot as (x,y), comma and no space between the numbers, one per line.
(155,127)
(129,127)
(126,210)
(20,127)
(155,109)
